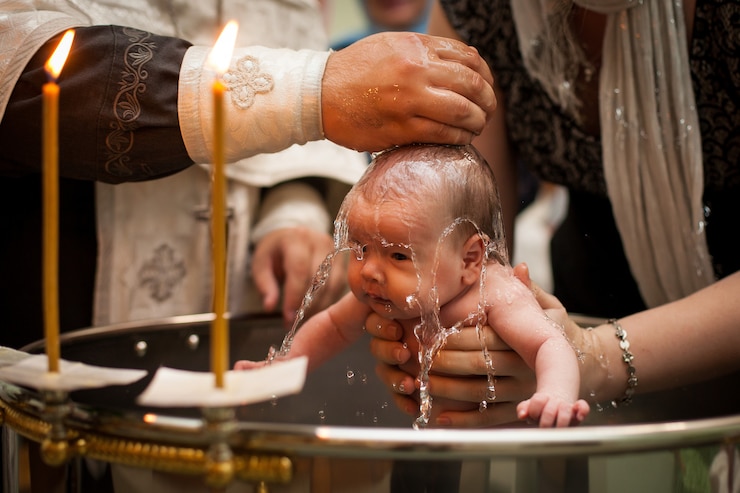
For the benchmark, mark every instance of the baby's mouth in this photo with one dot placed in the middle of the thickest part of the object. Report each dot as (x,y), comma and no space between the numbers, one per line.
(376,298)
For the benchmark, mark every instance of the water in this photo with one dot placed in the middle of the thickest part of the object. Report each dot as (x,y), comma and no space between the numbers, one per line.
(429,332)
(317,282)
(432,335)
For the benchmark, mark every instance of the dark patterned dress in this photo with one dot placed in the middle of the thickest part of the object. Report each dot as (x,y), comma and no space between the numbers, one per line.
(591,273)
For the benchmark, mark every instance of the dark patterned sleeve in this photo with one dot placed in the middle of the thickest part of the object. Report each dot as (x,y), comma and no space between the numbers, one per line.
(118,117)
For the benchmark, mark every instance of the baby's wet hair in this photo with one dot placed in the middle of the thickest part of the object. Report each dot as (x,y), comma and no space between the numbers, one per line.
(452,181)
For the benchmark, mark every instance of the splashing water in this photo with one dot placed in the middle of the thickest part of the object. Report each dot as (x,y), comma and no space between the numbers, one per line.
(427,351)
(432,335)
(317,282)
(479,321)
(319,279)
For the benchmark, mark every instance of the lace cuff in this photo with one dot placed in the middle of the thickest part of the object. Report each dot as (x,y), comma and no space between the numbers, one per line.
(273,100)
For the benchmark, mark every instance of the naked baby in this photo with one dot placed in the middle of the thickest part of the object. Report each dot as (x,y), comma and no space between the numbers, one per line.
(426,248)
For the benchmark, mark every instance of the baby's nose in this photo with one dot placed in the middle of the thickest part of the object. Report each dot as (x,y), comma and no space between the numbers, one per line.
(371,269)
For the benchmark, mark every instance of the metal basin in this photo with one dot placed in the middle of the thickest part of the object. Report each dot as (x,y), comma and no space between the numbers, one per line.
(343,432)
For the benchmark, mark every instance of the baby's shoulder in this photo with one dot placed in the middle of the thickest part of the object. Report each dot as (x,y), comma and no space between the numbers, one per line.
(463,310)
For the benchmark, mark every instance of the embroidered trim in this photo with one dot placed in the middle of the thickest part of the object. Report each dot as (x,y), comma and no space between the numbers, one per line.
(126,105)
(162,273)
(246,81)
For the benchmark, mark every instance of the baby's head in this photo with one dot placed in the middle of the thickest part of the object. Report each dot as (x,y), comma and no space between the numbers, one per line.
(433,187)
(415,202)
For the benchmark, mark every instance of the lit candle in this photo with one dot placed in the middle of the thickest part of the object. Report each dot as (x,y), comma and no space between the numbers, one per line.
(219,60)
(50,152)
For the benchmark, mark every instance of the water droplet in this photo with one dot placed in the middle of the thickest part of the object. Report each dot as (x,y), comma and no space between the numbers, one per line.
(271,354)
(140,348)
(350,377)
(491,393)
(322,415)
(483,406)
(193,341)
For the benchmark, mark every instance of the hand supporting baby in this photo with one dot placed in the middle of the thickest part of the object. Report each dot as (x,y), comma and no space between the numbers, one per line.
(514,313)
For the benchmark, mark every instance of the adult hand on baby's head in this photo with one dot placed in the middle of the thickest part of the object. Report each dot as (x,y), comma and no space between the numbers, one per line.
(396,88)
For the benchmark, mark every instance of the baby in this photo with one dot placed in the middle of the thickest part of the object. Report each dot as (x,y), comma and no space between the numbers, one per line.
(423,227)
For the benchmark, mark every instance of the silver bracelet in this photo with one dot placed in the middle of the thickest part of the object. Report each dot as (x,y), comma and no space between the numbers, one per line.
(627,357)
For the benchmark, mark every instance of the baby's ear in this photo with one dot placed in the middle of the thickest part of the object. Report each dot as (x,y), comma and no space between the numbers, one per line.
(473,255)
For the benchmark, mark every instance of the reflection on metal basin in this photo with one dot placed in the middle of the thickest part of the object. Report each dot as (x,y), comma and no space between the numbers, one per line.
(343,432)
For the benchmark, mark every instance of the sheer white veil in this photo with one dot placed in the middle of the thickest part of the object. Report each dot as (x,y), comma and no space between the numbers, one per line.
(649,129)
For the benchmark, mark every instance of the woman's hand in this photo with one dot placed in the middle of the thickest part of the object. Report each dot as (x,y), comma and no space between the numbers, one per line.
(458,374)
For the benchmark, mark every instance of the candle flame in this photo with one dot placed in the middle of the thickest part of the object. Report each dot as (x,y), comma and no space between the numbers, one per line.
(220,56)
(56,62)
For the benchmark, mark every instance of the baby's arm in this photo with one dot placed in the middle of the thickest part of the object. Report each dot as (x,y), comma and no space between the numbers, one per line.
(330,331)
(555,402)
(518,319)
(326,333)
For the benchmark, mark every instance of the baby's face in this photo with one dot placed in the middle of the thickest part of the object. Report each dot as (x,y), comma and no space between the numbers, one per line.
(392,259)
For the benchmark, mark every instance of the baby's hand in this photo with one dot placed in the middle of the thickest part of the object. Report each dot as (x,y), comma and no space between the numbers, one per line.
(553,411)
(248,365)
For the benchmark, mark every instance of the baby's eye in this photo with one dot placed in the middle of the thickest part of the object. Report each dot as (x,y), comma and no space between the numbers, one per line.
(358,249)
(399,256)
